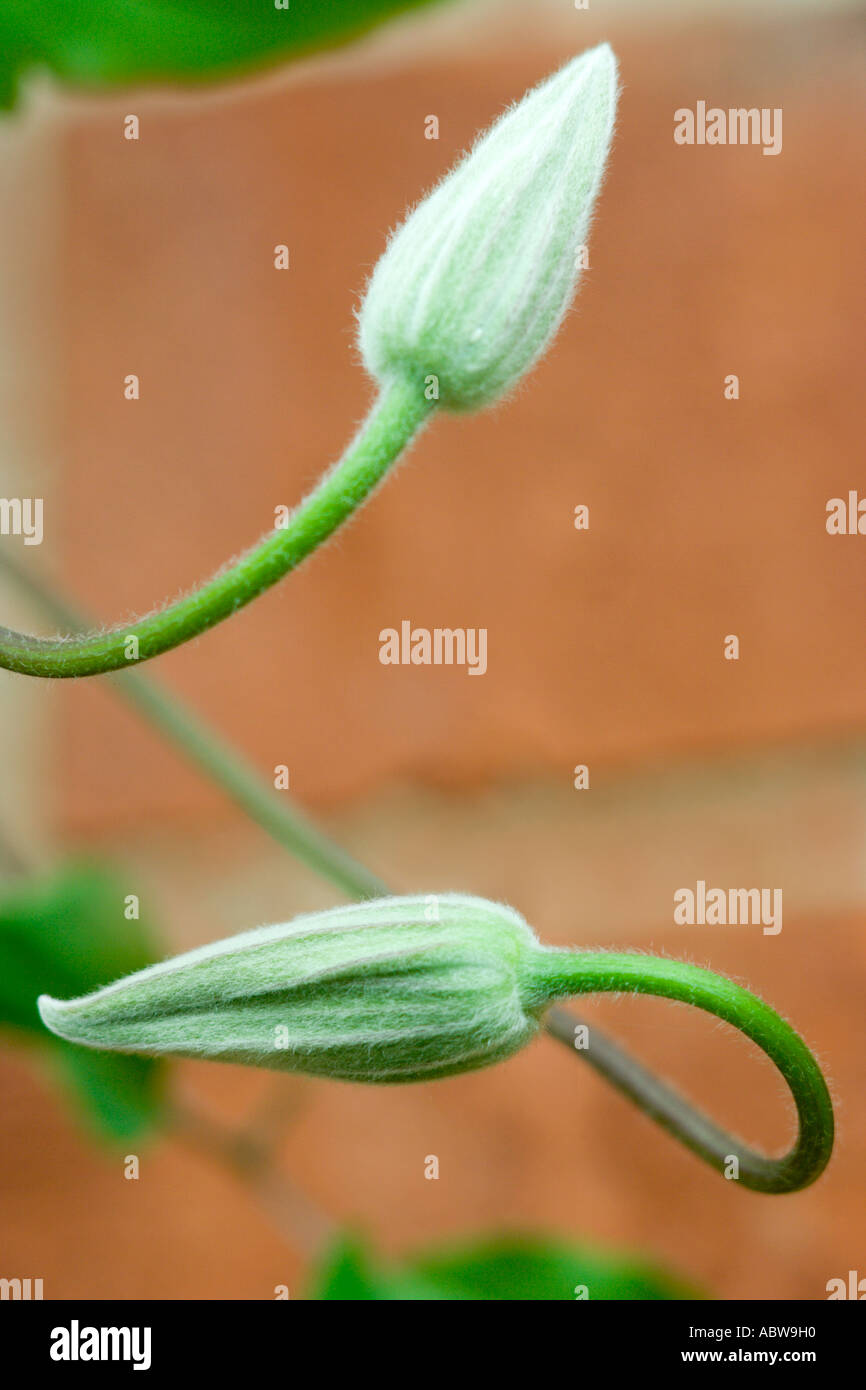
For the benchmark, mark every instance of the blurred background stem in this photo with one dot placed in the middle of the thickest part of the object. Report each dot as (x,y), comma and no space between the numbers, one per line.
(239,779)
(250,1154)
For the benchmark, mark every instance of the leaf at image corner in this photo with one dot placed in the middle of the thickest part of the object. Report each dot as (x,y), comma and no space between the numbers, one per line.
(501,1268)
(65,934)
(114,43)
(526,1268)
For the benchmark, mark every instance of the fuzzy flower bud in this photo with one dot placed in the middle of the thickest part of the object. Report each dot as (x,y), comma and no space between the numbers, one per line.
(474,285)
(398,989)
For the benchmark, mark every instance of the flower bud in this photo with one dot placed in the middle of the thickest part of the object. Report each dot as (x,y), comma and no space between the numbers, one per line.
(398,989)
(473,286)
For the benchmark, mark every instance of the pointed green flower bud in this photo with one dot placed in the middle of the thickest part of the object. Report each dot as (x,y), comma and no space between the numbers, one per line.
(399,989)
(474,285)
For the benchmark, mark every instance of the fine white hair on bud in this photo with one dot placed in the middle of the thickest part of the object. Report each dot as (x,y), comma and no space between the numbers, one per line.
(474,285)
(395,989)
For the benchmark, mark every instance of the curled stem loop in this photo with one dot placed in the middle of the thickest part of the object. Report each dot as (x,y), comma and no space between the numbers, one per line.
(563,973)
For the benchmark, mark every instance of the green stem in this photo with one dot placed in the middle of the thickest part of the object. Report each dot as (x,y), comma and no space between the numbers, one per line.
(269,808)
(398,414)
(558,974)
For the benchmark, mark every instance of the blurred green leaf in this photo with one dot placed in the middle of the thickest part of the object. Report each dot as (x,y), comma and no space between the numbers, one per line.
(347,1275)
(65,935)
(506,1268)
(122,1096)
(534,1269)
(110,43)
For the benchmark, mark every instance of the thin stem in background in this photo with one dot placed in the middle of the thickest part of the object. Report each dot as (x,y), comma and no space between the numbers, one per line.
(12,862)
(242,782)
(251,1160)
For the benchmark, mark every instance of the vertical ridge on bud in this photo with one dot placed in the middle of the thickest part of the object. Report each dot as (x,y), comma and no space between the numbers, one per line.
(474,285)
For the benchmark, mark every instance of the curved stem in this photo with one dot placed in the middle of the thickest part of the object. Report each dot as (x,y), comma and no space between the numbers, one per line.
(557,974)
(396,417)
